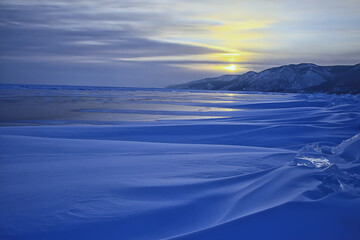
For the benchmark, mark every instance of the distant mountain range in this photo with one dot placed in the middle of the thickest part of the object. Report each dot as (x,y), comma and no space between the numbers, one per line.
(304,77)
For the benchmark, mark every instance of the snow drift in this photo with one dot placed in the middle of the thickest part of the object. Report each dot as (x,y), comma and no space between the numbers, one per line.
(164,164)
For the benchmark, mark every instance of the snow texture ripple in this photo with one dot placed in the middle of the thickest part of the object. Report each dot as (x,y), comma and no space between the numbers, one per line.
(132,163)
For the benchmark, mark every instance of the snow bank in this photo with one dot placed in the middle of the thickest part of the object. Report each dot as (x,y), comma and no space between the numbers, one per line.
(136,164)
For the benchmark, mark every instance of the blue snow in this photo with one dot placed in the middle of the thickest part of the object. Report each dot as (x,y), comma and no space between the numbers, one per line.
(132,163)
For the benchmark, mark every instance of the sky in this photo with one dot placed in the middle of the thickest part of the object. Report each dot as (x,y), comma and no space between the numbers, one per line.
(155,43)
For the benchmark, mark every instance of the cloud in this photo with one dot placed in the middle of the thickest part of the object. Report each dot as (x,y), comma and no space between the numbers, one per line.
(177,39)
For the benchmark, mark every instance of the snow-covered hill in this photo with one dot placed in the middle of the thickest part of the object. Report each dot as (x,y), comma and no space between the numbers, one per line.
(304,77)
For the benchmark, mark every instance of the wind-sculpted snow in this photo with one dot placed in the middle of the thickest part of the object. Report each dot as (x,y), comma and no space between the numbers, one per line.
(334,162)
(122,163)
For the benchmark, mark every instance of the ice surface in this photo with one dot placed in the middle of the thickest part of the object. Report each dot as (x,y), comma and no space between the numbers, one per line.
(313,162)
(122,163)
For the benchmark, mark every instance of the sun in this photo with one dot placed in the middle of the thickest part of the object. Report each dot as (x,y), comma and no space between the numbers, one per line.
(231,67)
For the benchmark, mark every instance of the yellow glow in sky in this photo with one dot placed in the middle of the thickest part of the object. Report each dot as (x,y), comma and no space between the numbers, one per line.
(231,67)
(231,39)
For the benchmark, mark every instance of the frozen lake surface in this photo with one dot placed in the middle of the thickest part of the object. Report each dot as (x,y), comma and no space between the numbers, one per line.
(127,163)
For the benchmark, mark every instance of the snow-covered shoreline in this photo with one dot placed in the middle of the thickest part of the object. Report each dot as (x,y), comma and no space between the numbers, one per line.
(165,164)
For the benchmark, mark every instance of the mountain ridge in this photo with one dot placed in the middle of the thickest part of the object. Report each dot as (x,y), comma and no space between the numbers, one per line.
(303,77)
